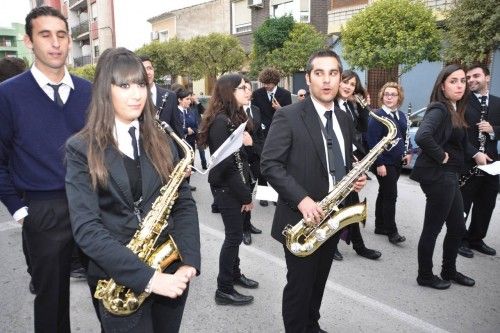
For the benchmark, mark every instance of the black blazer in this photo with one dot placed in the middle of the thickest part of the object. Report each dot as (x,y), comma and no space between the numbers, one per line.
(294,160)
(103,221)
(169,111)
(473,115)
(258,138)
(360,122)
(261,100)
(434,131)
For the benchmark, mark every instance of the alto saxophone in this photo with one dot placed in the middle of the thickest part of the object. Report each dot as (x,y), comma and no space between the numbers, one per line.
(121,300)
(303,239)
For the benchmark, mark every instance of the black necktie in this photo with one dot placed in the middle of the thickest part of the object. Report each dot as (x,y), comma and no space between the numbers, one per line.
(348,110)
(394,115)
(271,95)
(335,158)
(57,97)
(482,99)
(249,113)
(131,131)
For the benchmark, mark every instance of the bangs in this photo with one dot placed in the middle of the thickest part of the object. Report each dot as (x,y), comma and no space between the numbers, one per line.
(127,69)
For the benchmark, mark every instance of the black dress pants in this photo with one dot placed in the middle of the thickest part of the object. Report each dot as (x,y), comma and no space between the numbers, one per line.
(480,193)
(385,206)
(229,261)
(306,279)
(157,314)
(443,205)
(49,241)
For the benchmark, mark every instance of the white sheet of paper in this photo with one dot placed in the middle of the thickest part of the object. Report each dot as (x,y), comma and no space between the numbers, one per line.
(266,193)
(492,169)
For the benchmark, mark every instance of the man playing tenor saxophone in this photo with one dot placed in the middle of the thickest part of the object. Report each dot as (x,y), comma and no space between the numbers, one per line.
(308,151)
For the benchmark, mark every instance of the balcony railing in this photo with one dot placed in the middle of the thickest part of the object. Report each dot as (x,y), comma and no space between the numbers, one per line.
(82,28)
(83,60)
(74,2)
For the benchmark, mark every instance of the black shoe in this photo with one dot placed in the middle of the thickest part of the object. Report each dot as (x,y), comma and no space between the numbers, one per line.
(246,282)
(78,273)
(232,298)
(254,230)
(337,255)
(320,330)
(396,238)
(247,238)
(368,253)
(193,188)
(215,209)
(204,166)
(435,282)
(459,278)
(32,287)
(483,248)
(464,251)
(263,203)
(381,232)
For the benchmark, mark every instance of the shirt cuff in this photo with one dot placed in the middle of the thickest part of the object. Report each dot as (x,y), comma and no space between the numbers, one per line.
(492,136)
(20,214)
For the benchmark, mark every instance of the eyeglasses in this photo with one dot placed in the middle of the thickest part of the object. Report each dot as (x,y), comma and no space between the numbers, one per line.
(390,95)
(301,95)
(242,88)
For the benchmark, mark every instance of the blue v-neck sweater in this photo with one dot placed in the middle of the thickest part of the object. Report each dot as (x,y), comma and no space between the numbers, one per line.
(33,132)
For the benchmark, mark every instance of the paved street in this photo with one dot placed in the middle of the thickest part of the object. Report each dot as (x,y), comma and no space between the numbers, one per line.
(361,295)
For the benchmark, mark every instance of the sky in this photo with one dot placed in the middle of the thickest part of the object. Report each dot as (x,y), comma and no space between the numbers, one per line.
(132,28)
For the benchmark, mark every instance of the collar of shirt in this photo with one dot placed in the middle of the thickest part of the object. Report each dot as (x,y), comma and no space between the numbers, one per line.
(42,80)
(272,92)
(153,93)
(341,104)
(320,110)
(389,112)
(479,97)
(123,138)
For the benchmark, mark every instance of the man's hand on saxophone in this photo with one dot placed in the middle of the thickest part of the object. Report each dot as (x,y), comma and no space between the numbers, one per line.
(311,211)
(169,285)
(360,182)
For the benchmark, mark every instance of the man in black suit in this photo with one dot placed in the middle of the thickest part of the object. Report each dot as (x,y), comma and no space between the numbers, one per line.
(165,100)
(268,99)
(480,191)
(302,168)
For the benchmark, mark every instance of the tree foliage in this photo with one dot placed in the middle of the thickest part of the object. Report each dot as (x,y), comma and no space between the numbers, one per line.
(271,35)
(473,30)
(389,33)
(214,54)
(87,72)
(169,57)
(292,57)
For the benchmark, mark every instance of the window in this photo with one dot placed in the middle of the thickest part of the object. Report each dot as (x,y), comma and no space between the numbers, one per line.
(281,8)
(96,49)
(163,36)
(93,8)
(242,17)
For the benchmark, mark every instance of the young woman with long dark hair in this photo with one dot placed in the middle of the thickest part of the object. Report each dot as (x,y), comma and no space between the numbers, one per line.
(442,136)
(116,166)
(230,182)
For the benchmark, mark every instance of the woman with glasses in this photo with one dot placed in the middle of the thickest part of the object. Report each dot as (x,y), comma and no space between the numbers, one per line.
(387,166)
(442,136)
(229,181)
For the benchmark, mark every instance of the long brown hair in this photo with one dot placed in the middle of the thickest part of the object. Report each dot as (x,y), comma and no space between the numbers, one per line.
(437,95)
(115,67)
(222,101)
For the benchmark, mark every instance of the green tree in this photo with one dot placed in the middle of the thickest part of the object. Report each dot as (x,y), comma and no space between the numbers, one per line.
(214,54)
(87,72)
(168,57)
(473,30)
(391,33)
(271,35)
(292,57)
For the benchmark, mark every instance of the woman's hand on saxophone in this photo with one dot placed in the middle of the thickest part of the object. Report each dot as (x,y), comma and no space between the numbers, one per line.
(187,271)
(169,285)
(311,211)
(360,182)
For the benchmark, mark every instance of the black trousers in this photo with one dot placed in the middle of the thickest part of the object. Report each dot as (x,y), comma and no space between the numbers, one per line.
(49,241)
(306,279)
(157,314)
(229,261)
(247,216)
(385,206)
(443,205)
(480,193)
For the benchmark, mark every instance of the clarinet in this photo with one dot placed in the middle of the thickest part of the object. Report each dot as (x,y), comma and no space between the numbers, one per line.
(237,157)
(407,137)
(160,109)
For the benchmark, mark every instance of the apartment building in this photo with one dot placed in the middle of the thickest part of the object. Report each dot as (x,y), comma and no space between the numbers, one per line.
(11,42)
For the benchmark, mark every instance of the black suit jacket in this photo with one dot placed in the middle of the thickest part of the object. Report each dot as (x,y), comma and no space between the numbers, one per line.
(103,221)
(434,131)
(169,111)
(360,122)
(254,151)
(294,160)
(261,100)
(473,115)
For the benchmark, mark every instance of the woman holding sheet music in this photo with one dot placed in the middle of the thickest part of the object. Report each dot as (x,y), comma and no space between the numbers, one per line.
(230,181)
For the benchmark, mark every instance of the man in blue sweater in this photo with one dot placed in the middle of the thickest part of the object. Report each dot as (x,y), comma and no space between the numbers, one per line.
(39,110)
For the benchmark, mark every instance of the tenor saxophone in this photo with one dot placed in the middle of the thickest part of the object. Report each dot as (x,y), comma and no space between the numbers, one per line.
(121,300)
(303,239)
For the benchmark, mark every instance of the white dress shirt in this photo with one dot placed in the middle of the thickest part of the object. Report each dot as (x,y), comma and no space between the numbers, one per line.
(123,138)
(153,93)
(43,81)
